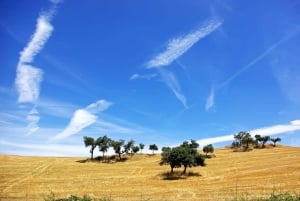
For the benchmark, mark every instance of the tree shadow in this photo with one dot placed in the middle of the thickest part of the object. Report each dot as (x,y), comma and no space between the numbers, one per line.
(82,161)
(178,175)
(100,159)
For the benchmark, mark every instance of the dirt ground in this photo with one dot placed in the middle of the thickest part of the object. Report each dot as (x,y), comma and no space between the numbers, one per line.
(229,174)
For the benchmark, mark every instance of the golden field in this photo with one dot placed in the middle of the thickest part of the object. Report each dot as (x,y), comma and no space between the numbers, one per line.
(226,176)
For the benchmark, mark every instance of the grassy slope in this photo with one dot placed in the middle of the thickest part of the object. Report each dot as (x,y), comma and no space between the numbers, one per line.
(229,174)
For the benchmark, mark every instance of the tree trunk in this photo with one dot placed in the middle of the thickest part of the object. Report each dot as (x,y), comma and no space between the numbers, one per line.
(92,152)
(120,156)
(184,171)
(172,167)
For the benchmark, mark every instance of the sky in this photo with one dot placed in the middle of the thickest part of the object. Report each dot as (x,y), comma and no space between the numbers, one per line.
(154,71)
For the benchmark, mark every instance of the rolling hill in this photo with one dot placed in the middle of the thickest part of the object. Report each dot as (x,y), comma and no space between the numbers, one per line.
(229,174)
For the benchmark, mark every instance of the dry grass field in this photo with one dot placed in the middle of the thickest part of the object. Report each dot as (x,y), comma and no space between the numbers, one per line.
(229,174)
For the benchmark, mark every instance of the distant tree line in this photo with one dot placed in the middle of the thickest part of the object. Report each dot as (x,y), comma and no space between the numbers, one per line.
(120,147)
(243,140)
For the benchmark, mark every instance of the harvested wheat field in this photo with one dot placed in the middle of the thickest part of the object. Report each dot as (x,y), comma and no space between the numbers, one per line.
(229,174)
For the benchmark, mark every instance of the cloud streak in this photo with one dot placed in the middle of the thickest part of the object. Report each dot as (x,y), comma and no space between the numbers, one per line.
(83,118)
(178,46)
(175,49)
(260,57)
(171,81)
(269,130)
(40,37)
(137,76)
(210,101)
(28,77)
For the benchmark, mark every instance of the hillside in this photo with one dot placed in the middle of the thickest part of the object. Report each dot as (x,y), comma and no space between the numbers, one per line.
(258,173)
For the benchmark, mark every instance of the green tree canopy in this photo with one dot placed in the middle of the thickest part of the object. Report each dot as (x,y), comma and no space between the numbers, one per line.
(128,147)
(208,149)
(117,146)
(185,155)
(153,147)
(103,144)
(89,141)
(141,145)
(275,140)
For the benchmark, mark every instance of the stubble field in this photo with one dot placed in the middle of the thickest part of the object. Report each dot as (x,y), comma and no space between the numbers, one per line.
(228,175)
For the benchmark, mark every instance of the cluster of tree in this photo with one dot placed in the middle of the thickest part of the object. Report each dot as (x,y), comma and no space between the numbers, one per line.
(185,155)
(119,146)
(243,140)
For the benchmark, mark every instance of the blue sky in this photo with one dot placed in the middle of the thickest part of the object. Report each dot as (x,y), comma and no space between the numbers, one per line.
(153,71)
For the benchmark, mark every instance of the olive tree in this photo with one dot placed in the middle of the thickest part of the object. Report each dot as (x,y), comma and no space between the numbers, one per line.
(185,155)
(153,147)
(89,141)
(208,149)
(117,146)
(103,144)
(275,140)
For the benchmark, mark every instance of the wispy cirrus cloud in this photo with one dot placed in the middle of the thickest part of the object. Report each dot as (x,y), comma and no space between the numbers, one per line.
(261,56)
(28,77)
(171,81)
(41,35)
(83,118)
(210,101)
(33,119)
(137,76)
(28,83)
(268,130)
(178,46)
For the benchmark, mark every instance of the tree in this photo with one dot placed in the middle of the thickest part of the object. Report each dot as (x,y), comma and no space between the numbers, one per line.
(103,144)
(89,141)
(238,138)
(153,147)
(190,155)
(135,149)
(275,140)
(258,139)
(117,146)
(128,147)
(246,140)
(208,149)
(141,146)
(171,156)
(184,155)
(265,139)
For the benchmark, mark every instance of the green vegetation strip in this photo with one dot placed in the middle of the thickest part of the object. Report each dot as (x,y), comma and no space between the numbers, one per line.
(273,197)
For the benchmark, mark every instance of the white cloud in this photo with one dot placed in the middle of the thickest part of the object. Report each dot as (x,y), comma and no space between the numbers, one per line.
(270,130)
(210,101)
(178,46)
(28,83)
(41,35)
(79,121)
(83,118)
(277,129)
(98,106)
(260,57)
(33,119)
(43,149)
(134,76)
(112,128)
(146,76)
(170,80)
(28,78)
